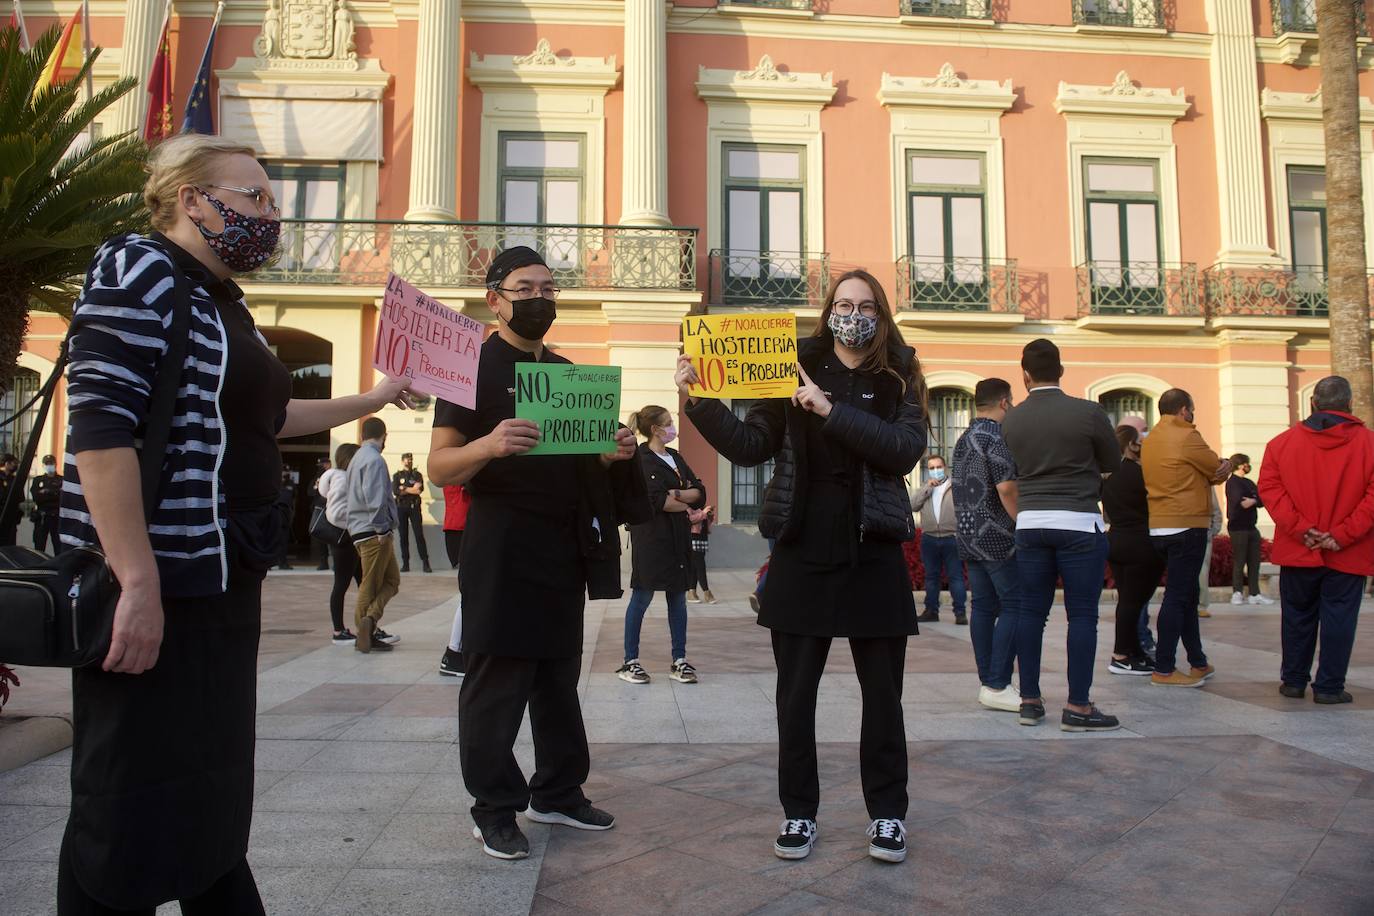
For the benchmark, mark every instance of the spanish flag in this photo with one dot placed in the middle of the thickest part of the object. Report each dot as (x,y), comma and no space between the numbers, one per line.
(66,58)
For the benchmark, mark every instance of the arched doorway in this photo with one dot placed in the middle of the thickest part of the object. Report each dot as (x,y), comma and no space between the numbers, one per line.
(951,411)
(310,360)
(1128,402)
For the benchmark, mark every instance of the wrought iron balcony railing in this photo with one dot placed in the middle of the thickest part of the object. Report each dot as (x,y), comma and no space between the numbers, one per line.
(948,9)
(431,254)
(795,279)
(1301,16)
(770,4)
(1258,292)
(1135,14)
(1138,288)
(957,285)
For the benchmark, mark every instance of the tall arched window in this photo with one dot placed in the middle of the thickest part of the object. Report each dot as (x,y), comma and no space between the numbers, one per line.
(1127,402)
(951,411)
(15,434)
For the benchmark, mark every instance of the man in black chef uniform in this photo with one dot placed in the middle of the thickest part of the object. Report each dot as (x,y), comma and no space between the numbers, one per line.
(407,484)
(525,575)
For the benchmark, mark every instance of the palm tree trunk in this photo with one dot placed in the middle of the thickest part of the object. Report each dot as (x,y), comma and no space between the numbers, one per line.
(1347,272)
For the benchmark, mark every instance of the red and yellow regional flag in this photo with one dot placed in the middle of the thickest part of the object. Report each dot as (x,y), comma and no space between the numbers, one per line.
(158,125)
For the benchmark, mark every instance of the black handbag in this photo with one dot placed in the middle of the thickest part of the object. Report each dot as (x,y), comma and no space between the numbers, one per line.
(323,529)
(58,612)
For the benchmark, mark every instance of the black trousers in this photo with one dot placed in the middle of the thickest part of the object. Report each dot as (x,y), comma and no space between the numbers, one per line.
(699,571)
(347,568)
(491,706)
(235,894)
(1136,567)
(1245,558)
(413,518)
(453,545)
(882,735)
(1319,605)
(43,530)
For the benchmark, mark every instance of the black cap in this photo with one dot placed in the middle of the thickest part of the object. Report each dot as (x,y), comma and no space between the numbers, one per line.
(49,459)
(510,260)
(405,455)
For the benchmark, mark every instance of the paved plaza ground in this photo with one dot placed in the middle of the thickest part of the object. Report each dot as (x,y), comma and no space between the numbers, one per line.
(1229,799)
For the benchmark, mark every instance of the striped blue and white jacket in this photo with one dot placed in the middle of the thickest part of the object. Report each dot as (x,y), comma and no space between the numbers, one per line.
(117,339)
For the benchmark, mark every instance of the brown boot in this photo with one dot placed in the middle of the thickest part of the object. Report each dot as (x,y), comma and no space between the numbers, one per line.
(710,598)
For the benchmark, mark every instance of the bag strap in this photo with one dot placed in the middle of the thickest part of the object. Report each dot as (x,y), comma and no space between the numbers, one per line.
(163,400)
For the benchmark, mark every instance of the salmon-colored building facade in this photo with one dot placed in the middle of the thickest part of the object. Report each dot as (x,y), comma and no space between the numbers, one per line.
(1138,180)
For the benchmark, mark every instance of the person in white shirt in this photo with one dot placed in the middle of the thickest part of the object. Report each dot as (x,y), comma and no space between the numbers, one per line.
(939,547)
(346,567)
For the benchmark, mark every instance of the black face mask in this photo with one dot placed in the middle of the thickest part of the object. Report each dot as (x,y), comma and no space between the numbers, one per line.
(532,318)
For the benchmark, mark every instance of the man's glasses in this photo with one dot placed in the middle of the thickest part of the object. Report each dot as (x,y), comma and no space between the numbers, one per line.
(261,197)
(844,308)
(526,291)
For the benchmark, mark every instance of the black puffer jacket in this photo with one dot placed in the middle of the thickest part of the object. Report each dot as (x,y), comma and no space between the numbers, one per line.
(890,439)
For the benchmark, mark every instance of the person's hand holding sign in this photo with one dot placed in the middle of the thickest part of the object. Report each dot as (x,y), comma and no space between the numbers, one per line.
(625,447)
(512,437)
(392,391)
(810,397)
(685,376)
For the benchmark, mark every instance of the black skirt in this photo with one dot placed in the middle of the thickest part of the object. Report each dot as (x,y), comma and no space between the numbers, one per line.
(162,762)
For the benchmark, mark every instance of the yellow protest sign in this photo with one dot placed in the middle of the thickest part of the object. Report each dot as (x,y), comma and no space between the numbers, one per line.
(742,356)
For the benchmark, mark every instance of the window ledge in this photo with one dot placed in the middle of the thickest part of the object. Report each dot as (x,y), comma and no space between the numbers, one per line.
(955,22)
(918,318)
(1091,28)
(1268,323)
(1142,322)
(746,9)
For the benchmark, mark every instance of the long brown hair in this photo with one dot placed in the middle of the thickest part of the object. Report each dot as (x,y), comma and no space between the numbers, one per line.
(878,357)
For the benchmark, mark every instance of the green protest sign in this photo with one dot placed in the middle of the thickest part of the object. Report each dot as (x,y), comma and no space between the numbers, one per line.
(577,408)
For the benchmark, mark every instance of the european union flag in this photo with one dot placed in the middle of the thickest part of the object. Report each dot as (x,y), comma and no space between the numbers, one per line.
(200,116)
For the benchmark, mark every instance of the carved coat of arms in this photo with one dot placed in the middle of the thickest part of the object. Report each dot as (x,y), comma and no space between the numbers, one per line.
(306,30)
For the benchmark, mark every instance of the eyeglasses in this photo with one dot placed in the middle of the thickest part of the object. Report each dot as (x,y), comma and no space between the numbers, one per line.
(261,197)
(844,308)
(526,291)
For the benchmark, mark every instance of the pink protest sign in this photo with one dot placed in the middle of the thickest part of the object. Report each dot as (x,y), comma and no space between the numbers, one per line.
(429,343)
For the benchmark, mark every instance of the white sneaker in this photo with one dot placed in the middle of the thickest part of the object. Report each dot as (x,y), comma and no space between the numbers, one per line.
(1260,599)
(1005,700)
(1237,598)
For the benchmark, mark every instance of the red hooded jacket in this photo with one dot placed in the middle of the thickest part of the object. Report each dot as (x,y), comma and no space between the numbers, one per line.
(1320,474)
(456,502)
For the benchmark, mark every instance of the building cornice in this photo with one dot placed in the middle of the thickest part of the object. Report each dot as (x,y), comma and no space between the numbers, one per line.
(1303,106)
(945,90)
(765,83)
(1122,97)
(543,69)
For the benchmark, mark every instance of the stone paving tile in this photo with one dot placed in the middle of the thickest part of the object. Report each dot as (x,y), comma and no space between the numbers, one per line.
(42,845)
(314,838)
(341,699)
(431,700)
(338,792)
(1309,896)
(18,822)
(1344,857)
(378,757)
(292,890)
(494,890)
(28,888)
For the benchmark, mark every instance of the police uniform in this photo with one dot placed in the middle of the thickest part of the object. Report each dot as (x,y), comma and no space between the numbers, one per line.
(408,506)
(46,491)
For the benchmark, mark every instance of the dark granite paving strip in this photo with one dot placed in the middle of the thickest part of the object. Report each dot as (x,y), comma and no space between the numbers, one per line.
(341,698)
(1311,896)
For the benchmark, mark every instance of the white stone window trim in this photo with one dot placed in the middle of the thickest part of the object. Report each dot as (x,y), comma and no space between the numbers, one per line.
(765,105)
(543,92)
(1148,385)
(1123,121)
(946,113)
(1293,125)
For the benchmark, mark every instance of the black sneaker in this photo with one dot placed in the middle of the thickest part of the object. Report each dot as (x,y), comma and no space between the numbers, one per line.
(1137,667)
(451,665)
(960,620)
(584,817)
(1095,721)
(887,840)
(380,635)
(1331,699)
(1293,691)
(929,617)
(344,638)
(795,839)
(427,567)
(503,841)
(1032,713)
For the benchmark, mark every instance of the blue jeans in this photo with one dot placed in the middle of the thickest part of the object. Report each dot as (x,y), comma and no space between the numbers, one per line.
(996,586)
(1183,554)
(1043,556)
(1318,603)
(943,554)
(640,598)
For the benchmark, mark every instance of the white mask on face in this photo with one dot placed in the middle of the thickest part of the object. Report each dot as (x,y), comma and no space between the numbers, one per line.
(49,469)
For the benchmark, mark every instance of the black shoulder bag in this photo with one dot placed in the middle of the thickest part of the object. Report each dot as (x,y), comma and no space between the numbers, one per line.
(58,612)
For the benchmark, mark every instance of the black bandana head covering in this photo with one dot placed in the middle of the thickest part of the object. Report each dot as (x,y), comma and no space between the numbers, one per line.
(510,260)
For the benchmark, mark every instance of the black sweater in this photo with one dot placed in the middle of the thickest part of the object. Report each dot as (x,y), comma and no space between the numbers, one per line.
(1124,499)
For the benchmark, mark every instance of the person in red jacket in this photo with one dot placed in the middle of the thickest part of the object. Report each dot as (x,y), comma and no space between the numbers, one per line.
(456,502)
(1317,482)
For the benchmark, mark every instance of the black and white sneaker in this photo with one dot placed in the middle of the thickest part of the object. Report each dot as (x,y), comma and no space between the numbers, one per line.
(1138,667)
(887,840)
(584,817)
(1095,721)
(795,839)
(380,635)
(503,841)
(451,665)
(632,672)
(344,638)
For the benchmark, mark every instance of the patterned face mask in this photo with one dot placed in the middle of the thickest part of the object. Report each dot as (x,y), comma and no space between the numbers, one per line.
(854,331)
(246,242)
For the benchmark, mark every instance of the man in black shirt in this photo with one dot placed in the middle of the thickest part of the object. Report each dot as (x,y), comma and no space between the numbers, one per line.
(46,492)
(527,556)
(407,484)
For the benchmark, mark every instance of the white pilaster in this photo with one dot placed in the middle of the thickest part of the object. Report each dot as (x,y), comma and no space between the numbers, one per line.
(142,25)
(1236,114)
(644,198)
(434,135)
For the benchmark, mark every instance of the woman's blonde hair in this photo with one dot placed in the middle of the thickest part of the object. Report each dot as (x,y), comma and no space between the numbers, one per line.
(181,160)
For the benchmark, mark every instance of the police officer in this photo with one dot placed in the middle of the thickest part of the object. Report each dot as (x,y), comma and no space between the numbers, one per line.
(407,484)
(46,493)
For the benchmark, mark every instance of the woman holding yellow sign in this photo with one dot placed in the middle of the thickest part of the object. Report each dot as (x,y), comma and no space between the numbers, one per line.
(837,507)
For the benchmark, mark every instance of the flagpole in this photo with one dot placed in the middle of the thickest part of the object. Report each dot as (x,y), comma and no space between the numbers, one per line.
(86,47)
(23,29)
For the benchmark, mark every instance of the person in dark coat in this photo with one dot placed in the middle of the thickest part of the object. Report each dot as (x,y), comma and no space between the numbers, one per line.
(46,492)
(1136,567)
(661,548)
(838,509)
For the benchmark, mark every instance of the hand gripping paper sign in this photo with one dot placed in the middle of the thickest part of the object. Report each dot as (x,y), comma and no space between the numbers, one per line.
(428,343)
(742,356)
(577,408)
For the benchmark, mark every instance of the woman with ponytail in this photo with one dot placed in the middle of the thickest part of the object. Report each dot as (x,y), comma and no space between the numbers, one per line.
(660,549)
(837,507)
